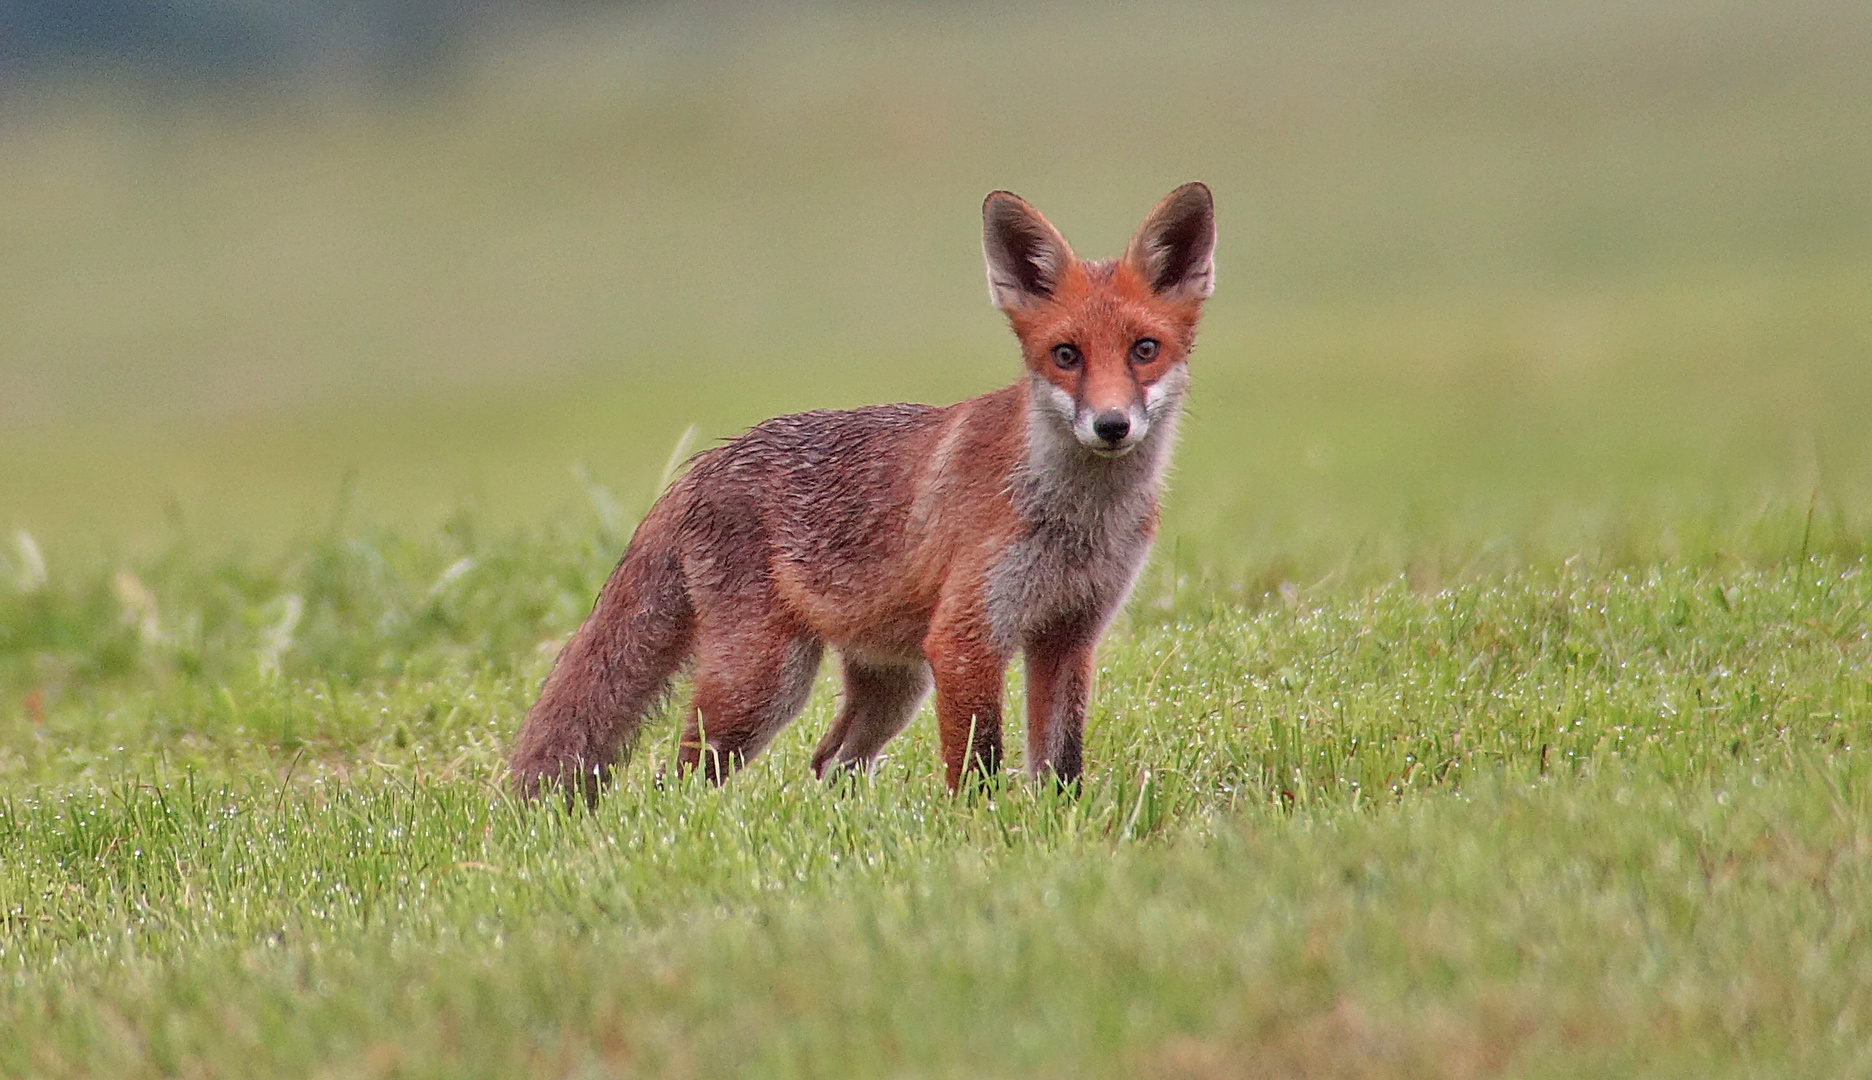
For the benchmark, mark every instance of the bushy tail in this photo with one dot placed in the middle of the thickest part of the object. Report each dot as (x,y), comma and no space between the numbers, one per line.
(613,672)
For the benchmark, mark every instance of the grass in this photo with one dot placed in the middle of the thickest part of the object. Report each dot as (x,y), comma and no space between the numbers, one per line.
(1538,929)
(1594,819)
(1495,703)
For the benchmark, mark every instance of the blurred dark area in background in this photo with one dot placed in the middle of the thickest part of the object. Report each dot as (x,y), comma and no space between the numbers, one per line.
(213,42)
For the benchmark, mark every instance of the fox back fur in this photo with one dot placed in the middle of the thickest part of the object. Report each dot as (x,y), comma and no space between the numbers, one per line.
(926,545)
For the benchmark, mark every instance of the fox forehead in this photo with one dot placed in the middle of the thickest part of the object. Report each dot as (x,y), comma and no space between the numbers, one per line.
(1104,305)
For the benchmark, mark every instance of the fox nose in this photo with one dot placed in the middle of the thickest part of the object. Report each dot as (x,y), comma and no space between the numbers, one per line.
(1111,426)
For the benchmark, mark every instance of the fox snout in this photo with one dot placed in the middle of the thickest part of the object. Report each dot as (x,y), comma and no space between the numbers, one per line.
(1112,426)
(1111,432)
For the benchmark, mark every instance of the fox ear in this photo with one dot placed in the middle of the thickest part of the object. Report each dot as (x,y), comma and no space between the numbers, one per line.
(1175,247)
(1026,254)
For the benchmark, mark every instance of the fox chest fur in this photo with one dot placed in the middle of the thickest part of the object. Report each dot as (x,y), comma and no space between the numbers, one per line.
(1085,528)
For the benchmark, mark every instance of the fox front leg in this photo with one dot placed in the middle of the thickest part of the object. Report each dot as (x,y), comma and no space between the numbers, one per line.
(969,671)
(1059,681)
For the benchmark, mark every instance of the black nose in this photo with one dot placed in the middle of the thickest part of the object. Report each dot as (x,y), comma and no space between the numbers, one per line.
(1111,426)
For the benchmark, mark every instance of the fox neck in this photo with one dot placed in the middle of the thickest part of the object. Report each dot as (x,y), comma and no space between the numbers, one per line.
(1063,483)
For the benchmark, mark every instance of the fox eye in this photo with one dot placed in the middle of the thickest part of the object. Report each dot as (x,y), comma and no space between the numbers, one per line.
(1066,357)
(1145,350)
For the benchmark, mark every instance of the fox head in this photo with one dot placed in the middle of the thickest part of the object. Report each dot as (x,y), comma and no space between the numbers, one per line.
(1106,343)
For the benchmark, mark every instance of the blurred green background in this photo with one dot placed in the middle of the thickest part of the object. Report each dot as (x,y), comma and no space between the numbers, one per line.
(1500,283)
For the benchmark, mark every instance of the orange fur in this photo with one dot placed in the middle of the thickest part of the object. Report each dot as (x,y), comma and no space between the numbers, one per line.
(927,545)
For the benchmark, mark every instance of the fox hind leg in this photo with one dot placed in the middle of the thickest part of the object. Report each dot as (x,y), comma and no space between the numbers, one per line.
(880,701)
(750,681)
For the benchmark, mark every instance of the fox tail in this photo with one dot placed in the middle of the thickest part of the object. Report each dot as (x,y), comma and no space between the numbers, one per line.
(613,672)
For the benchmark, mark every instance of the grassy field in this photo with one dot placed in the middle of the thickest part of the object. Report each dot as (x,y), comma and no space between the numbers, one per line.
(1496,703)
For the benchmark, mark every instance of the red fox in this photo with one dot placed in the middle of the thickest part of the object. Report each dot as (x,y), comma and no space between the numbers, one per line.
(925,544)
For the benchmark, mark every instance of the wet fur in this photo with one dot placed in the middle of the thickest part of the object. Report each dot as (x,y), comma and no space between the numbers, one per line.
(926,545)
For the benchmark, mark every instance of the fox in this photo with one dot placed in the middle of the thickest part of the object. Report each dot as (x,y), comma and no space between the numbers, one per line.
(926,545)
